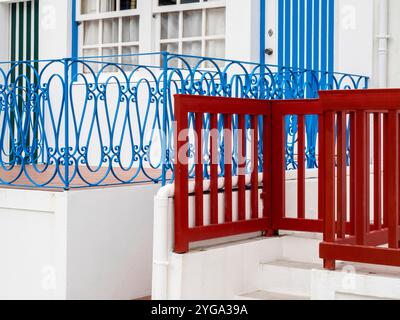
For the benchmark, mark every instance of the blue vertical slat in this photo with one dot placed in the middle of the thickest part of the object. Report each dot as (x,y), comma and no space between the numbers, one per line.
(302,33)
(309,49)
(280,32)
(331,40)
(316,35)
(287,32)
(295,32)
(324,41)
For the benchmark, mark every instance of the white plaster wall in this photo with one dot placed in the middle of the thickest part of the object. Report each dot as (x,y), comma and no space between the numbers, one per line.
(55,29)
(82,244)
(30,247)
(4,32)
(353,36)
(110,242)
(394,44)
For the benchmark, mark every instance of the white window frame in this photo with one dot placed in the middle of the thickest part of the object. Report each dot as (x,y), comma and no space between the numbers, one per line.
(100,17)
(181,8)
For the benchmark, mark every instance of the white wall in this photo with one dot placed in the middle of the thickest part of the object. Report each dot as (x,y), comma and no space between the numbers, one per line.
(353,36)
(55,29)
(394,44)
(4,32)
(82,244)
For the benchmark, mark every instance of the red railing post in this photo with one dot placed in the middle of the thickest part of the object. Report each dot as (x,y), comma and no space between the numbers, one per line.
(329,178)
(393,179)
(341,175)
(181,218)
(360,177)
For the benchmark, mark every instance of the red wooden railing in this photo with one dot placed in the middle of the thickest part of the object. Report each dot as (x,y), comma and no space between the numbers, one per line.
(367,109)
(344,208)
(227,226)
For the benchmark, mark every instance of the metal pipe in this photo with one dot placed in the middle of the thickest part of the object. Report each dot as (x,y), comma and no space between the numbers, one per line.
(383,38)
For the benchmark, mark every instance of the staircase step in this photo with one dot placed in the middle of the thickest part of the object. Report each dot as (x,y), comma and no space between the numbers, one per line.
(267,295)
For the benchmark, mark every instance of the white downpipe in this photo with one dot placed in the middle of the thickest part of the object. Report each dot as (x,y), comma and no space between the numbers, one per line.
(383,38)
(160,233)
(161,243)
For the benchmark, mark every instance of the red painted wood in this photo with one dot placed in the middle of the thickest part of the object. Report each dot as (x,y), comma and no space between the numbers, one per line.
(214,169)
(341,175)
(181,180)
(392,179)
(367,171)
(301,170)
(352,173)
(362,254)
(321,167)
(199,220)
(228,166)
(386,172)
(377,171)
(254,174)
(278,168)
(242,165)
(360,177)
(329,160)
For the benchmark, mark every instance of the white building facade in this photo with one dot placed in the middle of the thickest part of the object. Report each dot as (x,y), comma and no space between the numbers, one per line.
(301,33)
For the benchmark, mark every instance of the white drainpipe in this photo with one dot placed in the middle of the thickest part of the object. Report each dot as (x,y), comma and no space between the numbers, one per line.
(161,243)
(383,37)
(161,247)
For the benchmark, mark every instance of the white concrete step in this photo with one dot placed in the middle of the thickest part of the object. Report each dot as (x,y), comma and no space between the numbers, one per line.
(266,295)
(349,281)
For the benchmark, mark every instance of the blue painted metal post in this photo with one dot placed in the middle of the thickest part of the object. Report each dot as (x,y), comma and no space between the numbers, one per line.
(66,122)
(164,146)
(74,44)
(262,31)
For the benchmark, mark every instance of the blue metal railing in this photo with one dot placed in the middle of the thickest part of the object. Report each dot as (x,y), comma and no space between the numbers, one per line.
(111,122)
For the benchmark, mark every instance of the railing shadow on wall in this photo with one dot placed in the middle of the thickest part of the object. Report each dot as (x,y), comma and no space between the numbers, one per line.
(97,121)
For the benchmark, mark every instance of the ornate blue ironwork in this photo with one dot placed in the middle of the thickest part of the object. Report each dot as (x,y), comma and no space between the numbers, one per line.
(112,122)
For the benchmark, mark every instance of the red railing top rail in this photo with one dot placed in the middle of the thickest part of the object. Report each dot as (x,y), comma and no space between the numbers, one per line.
(221,105)
(379,100)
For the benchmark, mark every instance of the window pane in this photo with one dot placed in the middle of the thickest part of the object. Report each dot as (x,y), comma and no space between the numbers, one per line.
(166,2)
(91,32)
(110,30)
(215,22)
(189,1)
(170,25)
(109,55)
(91,53)
(130,29)
(108,5)
(128,4)
(171,48)
(88,6)
(192,48)
(192,21)
(131,61)
(215,49)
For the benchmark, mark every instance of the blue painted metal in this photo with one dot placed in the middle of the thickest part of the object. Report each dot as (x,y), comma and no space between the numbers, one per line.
(74,38)
(262,31)
(103,128)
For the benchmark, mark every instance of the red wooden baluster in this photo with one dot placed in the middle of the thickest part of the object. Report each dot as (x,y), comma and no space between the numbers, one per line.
(199,177)
(329,177)
(242,165)
(254,173)
(341,175)
(377,171)
(301,170)
(360,177)
(213,169)
(393,179)
(228,166)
